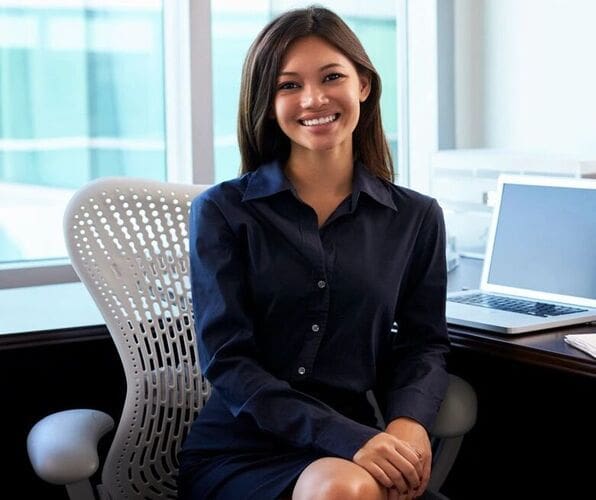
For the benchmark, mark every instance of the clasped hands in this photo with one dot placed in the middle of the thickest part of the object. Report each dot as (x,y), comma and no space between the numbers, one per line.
(399,458)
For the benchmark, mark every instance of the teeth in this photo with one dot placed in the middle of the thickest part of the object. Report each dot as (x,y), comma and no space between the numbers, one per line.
(319,121)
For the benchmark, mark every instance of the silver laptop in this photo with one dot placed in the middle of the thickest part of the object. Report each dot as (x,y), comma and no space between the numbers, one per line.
(539,271)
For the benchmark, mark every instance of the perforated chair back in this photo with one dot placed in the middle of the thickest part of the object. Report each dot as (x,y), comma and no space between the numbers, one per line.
(128,242)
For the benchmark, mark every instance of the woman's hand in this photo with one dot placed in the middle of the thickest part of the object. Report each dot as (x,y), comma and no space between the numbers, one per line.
(392,462)
(414,434)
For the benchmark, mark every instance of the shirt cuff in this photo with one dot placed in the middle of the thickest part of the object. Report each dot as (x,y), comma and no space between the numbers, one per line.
(413,404)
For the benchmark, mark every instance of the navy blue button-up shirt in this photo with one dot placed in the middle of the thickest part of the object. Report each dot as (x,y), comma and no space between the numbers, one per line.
(294,321)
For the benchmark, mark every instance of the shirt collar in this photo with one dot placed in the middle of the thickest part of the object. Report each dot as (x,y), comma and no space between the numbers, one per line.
(365,182)
(269,179)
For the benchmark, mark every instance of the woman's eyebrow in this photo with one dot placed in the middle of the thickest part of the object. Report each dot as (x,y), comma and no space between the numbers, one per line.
(322,68)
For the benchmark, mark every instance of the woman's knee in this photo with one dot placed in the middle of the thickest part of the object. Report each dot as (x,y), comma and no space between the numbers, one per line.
(337,479)
(353,488)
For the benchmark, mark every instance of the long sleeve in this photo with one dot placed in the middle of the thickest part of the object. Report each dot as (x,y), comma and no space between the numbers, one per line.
(229,353)
(417,380)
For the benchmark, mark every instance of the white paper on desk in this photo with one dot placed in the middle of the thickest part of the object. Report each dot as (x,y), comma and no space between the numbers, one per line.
(584,341)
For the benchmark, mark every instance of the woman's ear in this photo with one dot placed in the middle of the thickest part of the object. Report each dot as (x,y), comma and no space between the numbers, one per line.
(364,86)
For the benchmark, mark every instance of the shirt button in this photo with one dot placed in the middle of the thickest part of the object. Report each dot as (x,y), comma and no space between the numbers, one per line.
(321,284)
(301,370)
(315,328)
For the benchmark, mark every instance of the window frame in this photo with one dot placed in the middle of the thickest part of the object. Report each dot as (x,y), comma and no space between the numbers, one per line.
(426,35)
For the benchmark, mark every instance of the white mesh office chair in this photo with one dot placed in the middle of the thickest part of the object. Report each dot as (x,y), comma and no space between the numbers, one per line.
(128,242)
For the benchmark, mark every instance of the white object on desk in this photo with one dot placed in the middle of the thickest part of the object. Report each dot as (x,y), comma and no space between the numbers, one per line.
(584,341)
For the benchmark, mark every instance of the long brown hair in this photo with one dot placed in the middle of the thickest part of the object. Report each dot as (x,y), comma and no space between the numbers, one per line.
(259,136)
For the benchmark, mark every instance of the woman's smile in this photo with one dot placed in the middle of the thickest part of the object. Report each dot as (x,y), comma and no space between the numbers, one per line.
(319,121)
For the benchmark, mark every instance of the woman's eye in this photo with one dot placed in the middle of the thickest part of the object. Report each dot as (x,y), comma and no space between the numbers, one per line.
(333,76)
(287,86)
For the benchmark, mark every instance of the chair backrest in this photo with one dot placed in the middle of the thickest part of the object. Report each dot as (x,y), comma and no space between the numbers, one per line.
(128,242)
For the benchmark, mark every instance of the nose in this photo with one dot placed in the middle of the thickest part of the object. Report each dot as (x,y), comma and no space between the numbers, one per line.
(313,96)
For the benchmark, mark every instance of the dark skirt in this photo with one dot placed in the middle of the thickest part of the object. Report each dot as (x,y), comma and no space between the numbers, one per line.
(228,458)
(239,476)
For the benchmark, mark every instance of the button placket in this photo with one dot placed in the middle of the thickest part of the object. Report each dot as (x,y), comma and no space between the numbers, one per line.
(318,307)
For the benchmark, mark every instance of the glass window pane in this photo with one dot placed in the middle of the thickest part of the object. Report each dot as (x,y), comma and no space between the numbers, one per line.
(81,97)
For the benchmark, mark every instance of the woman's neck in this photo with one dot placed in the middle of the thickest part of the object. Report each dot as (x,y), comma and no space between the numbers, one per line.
(320,173)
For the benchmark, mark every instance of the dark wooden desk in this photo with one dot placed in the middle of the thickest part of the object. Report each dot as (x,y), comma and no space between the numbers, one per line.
(547,349)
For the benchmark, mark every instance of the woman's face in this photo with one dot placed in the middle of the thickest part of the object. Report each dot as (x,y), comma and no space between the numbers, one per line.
(318,96)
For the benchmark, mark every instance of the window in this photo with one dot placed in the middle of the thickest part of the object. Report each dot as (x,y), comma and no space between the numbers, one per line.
(81,97)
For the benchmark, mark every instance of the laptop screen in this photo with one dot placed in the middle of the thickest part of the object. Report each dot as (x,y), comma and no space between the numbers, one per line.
(545,240)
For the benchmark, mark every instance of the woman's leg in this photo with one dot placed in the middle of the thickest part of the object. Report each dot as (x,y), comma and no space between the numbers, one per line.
(337,479)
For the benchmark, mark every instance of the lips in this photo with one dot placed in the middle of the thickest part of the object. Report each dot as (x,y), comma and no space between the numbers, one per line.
(322,120)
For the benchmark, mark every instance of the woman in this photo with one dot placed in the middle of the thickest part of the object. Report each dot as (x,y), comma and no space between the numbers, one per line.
(299,270)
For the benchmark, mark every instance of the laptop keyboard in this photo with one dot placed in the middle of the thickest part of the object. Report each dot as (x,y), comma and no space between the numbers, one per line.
(515,305)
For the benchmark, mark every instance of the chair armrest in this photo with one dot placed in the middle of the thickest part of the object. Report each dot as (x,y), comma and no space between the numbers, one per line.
(62,447)
(457,414)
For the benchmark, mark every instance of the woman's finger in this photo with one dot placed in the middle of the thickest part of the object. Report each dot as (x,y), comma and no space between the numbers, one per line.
(412,455)
(410,473)
(397,479)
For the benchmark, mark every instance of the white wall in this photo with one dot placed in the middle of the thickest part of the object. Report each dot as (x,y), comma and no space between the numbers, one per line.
(525,75)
